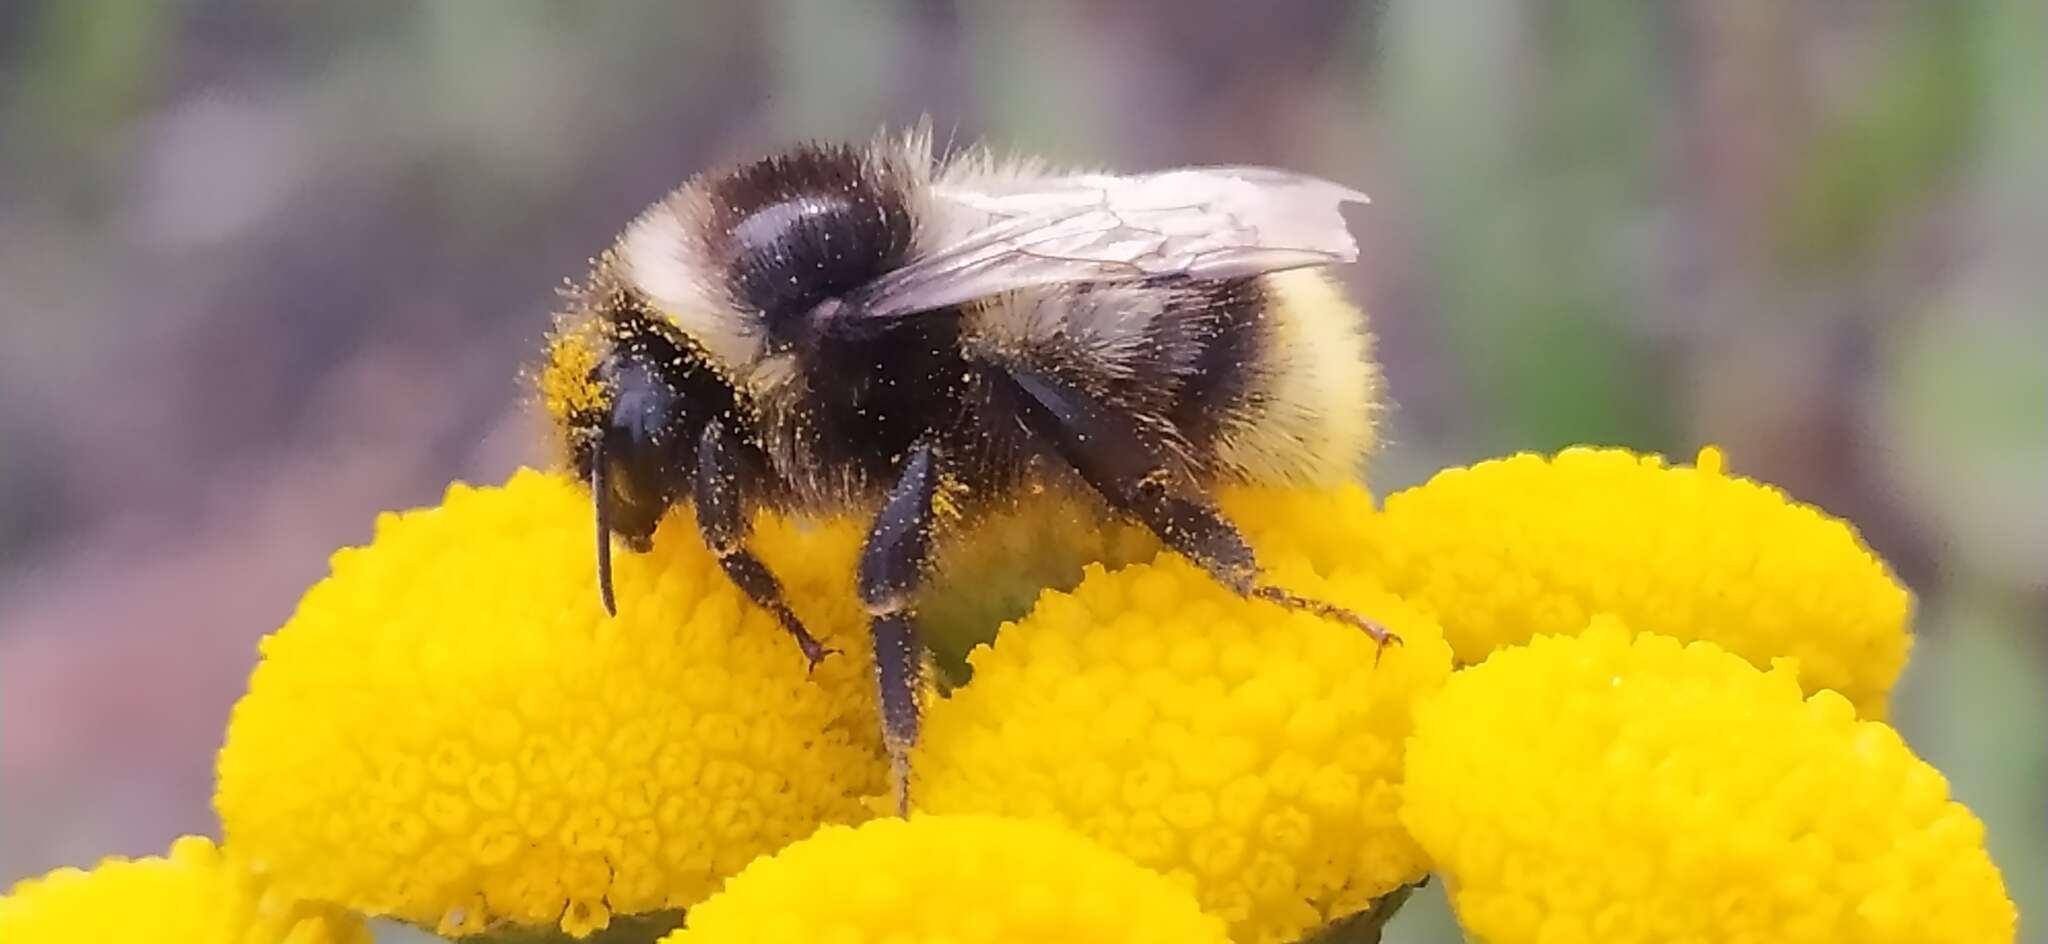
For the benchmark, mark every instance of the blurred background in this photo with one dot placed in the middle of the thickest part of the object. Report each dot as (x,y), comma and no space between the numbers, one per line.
(268,267)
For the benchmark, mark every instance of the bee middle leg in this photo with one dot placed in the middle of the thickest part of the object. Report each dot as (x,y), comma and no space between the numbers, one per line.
(723,522)
(892,569)
(1111,457)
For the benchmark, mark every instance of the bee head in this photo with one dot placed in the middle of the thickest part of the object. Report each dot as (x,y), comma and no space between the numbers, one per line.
(701,288)
(629,398)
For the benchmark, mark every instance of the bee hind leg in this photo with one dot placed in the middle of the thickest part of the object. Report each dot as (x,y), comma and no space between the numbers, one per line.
(892,568)
(1192,527)
(1110,455)
(722,521)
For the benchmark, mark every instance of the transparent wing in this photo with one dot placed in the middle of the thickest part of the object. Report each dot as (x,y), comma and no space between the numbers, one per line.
(1205,222)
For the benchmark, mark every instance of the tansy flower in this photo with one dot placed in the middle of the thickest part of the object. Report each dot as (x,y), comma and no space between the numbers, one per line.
(194,895)
(1603,788)
(451,731)
(1512,548)
(946,879)
(1252,751)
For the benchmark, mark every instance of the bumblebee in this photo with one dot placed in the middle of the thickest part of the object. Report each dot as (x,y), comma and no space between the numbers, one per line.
(880,330)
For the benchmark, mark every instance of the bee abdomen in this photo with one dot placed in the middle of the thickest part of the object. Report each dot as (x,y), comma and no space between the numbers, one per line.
(1225,340)
(1303,409)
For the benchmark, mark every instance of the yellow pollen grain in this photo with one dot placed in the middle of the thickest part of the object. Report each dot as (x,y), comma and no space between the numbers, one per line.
(567,387)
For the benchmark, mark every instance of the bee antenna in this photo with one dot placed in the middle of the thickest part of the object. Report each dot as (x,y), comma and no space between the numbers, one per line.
(598,487)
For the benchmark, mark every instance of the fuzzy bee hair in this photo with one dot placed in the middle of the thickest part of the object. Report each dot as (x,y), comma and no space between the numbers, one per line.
(860,328)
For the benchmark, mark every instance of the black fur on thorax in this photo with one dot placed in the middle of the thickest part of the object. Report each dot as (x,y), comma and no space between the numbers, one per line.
(804,227)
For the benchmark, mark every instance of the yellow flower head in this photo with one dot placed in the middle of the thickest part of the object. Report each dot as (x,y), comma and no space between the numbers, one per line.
(1598,788)
(948,879)
(1512,548)
(451,731)
(194,895)
(1251,750)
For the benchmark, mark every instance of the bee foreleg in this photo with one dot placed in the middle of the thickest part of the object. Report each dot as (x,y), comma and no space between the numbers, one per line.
(722,521)
(892,568)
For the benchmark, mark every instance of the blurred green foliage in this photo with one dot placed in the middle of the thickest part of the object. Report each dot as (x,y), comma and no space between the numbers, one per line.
(1810,232)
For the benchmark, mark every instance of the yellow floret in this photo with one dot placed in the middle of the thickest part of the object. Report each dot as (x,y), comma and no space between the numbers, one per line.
(195,895)
(934,879)
(1603,789)
(1512,548)
(1252,751)
(451,731)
